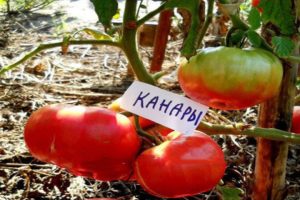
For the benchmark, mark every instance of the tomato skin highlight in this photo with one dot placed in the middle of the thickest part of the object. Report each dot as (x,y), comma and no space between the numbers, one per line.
(88,141)
(184,166)
(229,78)
(296,120)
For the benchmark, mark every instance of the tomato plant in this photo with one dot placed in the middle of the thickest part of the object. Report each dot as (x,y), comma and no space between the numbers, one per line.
(182,166)
(230,78)
(296,120)
(88,141)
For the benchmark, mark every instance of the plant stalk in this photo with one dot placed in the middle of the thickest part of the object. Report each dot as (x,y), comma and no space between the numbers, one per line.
(43,47)
(129,43)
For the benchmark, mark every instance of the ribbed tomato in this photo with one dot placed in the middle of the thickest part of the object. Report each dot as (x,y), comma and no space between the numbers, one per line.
(88,141)
(230,78)
(296,120)
(183,166)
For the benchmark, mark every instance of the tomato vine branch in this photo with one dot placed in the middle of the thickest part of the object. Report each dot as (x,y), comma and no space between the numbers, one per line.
(208,19)
(150,14)
(43,47)
(247,130)
(129,43)
(143,133)
(293,59)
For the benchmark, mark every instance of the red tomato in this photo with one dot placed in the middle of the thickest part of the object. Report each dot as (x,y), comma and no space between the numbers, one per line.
(255,3)
(88,141)
(183,166)
(296,120)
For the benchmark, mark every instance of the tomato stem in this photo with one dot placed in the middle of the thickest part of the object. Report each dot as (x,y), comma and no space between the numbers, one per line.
(207,21)
(151,14)
(248,130)
(43,47)
(129,43)
(143,133)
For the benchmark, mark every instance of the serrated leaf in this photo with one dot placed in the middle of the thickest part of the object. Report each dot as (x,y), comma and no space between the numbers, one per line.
(105,10)
(280,13)
(254,38)
(98,35)
(283,46)
(254,18)
(230,193)
(237,36)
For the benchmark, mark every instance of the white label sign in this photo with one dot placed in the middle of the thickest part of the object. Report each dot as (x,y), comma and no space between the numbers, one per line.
(163,107)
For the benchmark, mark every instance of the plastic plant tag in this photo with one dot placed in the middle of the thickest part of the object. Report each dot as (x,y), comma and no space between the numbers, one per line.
(163,107)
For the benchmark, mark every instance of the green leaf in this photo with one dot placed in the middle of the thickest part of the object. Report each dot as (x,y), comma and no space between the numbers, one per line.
(224,1)
(237,36)
(98,35)
(105,10)
(254,19)
(230,193)
(254,38)
(280,13)
(190,5)
(283,46)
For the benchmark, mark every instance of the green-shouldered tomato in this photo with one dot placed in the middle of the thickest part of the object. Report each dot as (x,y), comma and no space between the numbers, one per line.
(231,78)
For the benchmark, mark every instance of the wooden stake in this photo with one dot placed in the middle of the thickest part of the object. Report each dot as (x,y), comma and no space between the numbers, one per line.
(161,39)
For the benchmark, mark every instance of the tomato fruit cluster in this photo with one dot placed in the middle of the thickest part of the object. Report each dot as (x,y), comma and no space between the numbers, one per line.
(229,78)
(102,144)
